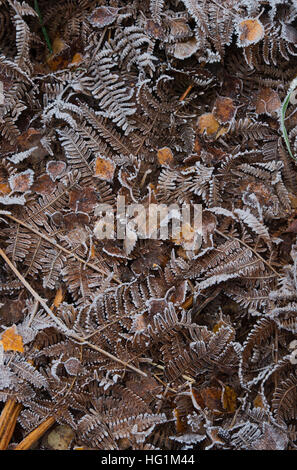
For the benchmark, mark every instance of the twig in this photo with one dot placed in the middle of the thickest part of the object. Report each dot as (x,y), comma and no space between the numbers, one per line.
(60,324)
(229,237)
(34,435)
(60,247)
(185,94)
(8,420)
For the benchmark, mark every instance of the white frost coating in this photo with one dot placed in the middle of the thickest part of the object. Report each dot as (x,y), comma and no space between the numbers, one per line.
(10,200)
(19,157)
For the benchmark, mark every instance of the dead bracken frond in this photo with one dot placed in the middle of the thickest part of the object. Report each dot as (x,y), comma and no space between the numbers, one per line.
(137,342)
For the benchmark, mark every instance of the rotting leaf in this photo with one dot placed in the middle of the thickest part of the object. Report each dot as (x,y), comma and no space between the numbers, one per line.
(83,199)
(211,397)
(43,185)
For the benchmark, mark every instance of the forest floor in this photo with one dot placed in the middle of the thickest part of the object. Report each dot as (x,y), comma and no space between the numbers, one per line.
(123,324)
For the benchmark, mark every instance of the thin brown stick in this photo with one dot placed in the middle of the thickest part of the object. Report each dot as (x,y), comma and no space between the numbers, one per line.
(8,420)
(60,247)
(36,434)
(185,94)
(60,324)
(229,237)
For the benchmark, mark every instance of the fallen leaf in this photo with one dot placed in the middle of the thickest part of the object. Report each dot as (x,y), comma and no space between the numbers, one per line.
(211,397)
(165,156)
(43,185)
(29,138)
(180,424)
(209,125)
(5,188)
(229,398)
(21,181)
(83,199)
(57,60)
(104,169)
(218,325)
(267,101)
(258,402)
(60,294)
(154,29)
(77,59)
(60,437)
(250,31)
(183,50)
(209,223)
(11,341)
(224,110)
(179,28)
(103,16)
(55,169)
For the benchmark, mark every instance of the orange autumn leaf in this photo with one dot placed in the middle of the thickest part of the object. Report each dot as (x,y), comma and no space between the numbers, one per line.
(5,188)
(58,297)
(56,59)
(209,125)
(250,31)
(76,59)
(258,402)
(229,399)
(218,325)
(179,424)
(104,169)
(165,156)
(11,341)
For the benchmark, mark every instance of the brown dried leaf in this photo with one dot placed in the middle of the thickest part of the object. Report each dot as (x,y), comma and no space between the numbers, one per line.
(183,50)
(83,200)
(103,16)
(209,125)
(43,185)
(154,29)
(211,397)
(224,110)
(55,169)
(229,398)
(209,223)
(179,28)
(21,182)
(267,101)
